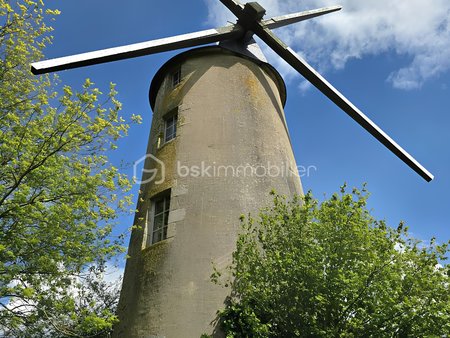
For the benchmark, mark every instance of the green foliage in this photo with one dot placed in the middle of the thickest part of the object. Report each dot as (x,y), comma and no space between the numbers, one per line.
(310,269)
(84,309)
(59,195)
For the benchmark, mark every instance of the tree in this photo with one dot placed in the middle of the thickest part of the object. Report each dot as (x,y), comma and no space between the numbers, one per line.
(330,269)
(85,309)
(59,195)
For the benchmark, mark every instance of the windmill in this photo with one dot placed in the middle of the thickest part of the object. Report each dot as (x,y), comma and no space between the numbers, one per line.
(188,220)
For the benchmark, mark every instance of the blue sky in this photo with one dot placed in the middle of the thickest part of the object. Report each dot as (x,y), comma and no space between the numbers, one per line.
(392,60)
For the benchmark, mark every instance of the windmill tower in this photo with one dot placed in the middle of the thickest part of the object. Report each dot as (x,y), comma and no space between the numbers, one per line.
(218,144)
(226,107)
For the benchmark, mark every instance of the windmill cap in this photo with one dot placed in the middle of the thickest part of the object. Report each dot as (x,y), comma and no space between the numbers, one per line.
(201,51)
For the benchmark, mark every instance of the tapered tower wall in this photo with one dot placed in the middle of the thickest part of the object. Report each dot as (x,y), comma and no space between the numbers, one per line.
(230,120)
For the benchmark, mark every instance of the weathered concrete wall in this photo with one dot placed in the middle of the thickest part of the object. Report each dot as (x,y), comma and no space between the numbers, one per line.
(230,116)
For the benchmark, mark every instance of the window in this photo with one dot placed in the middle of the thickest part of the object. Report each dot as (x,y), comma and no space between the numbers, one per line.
(176,77)
(161,206)
(170,127)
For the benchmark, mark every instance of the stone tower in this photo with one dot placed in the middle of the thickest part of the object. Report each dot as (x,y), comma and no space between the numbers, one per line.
(218,144)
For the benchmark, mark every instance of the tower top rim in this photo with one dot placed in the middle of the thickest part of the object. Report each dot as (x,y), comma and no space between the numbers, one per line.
(214,49)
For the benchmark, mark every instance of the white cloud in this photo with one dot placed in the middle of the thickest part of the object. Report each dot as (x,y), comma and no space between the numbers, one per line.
(417,29)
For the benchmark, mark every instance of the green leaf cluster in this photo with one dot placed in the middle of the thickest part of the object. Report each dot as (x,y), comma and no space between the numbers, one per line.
(84,308)
(310,269)
(59,194)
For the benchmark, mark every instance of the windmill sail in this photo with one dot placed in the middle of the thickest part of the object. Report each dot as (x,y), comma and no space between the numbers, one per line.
(309,73)
(231,32)
(249,22)
(264,33)
(138,49)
